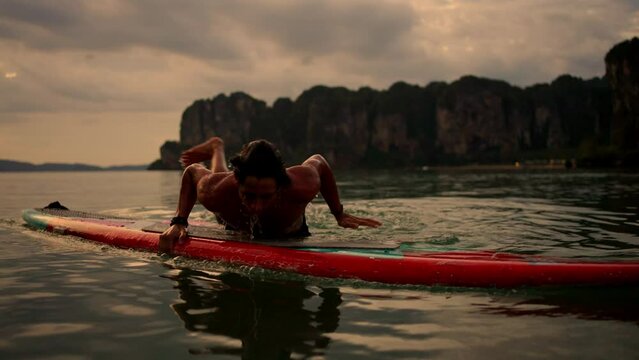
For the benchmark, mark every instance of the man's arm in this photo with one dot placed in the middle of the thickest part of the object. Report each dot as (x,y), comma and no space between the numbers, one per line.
(328,189)
(188,196)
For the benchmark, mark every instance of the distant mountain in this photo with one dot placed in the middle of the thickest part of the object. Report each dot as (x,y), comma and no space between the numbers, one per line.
(10,165)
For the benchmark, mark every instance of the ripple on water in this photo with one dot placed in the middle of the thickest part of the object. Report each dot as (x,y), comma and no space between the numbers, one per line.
(36,295)
(539,226)
(132,310)
(50,329)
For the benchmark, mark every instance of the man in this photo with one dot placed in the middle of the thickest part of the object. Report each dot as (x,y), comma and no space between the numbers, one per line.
(259,196)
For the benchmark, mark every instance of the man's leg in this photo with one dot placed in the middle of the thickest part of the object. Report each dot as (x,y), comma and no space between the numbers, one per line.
(218,158)
(211,149)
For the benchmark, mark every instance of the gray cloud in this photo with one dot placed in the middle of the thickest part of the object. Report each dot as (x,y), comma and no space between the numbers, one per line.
(182,27)
(216,30)
(318,28)
(153,54)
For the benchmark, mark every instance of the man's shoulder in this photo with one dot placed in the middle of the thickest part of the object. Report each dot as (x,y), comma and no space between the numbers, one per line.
(305,182)
(215,189)
(215,182)
(301,171)
(303,176)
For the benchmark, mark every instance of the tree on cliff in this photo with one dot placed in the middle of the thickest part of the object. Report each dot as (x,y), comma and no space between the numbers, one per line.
(622,71)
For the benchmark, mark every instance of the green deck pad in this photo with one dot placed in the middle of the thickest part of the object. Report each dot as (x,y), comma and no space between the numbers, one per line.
(209,232)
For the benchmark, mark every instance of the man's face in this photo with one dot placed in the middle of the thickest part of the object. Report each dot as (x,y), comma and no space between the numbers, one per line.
(257,194)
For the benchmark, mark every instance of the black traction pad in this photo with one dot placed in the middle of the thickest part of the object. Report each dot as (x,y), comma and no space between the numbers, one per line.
(213,233)
(209,232)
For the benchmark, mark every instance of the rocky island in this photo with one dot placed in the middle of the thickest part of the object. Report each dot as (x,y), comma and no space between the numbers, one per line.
(471,120)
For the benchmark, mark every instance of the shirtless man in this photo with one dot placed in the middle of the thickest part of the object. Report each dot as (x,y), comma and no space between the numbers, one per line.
(259,196)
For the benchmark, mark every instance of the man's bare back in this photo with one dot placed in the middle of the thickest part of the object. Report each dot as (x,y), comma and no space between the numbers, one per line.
(258,192)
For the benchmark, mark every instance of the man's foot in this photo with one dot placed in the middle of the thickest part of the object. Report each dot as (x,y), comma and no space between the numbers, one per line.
(201,152)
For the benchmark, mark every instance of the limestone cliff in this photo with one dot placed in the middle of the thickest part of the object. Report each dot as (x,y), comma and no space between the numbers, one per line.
(230,117)
(469,120)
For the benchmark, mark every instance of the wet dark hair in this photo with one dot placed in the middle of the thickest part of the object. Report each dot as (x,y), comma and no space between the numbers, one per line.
(261,159)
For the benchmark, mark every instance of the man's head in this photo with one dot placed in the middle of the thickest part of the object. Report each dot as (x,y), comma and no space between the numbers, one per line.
(260,173)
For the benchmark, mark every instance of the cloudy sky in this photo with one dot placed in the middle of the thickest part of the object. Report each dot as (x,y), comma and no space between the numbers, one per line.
(105,82)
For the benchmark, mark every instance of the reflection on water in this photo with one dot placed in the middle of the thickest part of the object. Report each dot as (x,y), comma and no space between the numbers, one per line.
(271,320)
(64,298)
(584,303)
(281,318)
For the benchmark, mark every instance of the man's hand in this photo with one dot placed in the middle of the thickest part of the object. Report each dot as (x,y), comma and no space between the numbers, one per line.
(353,222)
(174,233)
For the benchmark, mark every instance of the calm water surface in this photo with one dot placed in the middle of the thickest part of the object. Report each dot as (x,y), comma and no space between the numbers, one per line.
(63,298)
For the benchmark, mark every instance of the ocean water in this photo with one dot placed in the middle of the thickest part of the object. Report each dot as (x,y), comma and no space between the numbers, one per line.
(66,298)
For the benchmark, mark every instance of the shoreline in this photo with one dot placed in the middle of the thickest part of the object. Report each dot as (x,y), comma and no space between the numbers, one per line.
(488,167)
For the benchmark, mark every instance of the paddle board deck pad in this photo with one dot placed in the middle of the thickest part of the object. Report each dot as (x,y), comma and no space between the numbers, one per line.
(386,262)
